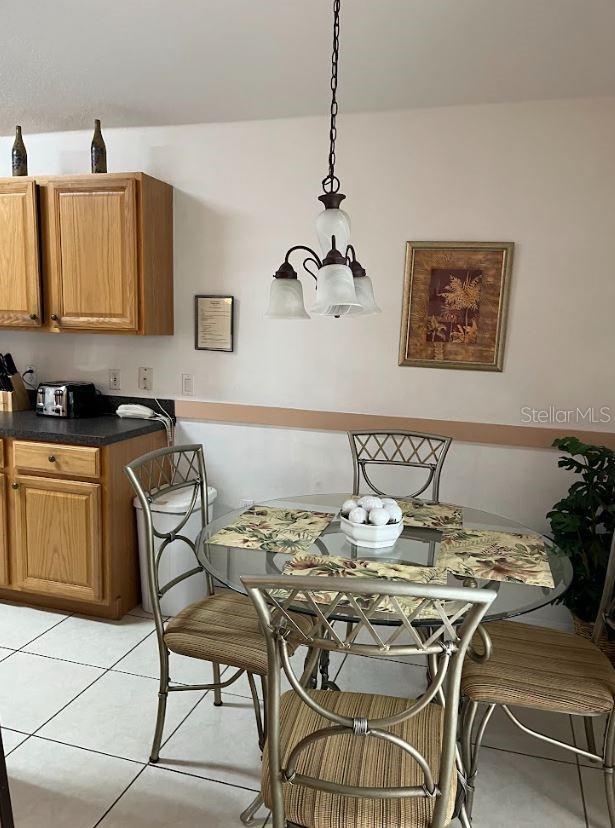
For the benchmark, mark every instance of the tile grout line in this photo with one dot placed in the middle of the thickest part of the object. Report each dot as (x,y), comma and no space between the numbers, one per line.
(529,755)
(105,671)
(81,692)
(36,637)
(18,650)
(114,668)
(88,750)
(189,713)
(149,764)
(204,778)
(117,799)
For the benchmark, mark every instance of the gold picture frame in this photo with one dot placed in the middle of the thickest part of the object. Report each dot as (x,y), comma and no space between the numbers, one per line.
(455,304)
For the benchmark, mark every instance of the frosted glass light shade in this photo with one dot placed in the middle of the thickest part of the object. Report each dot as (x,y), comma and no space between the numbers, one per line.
(333,222)
(286,300)
(335,291)
(365,296)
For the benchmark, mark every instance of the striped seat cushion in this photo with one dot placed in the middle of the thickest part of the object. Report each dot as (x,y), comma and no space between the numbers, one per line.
(357,760)
(224,628)
(542,669)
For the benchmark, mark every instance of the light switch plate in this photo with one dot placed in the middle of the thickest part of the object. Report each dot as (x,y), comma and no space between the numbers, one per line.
(188,385)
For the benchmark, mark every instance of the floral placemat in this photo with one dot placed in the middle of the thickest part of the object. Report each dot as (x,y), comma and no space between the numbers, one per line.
(497,556)
(274,529)
(431,515)
(338,567)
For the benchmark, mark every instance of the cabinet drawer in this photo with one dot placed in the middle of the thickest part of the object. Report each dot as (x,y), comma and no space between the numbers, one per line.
(76,461)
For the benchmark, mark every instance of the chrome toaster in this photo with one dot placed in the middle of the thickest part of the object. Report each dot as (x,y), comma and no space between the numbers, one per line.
(66,399)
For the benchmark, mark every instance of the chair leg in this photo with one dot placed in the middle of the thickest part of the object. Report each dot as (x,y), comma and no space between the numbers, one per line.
(589,734)
(470,753)
(6,810)
(609,759)
(217,691)
(163,694)
(610,794)
(464,819)
(247,816)
(257,712)
(264,689)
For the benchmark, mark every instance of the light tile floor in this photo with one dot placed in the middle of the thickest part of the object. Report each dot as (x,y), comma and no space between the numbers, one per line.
(78,699)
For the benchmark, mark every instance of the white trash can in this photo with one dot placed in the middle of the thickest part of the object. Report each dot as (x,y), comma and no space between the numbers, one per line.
(177,557)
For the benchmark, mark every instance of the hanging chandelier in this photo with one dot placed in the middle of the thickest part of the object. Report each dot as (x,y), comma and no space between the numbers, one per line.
(342,285)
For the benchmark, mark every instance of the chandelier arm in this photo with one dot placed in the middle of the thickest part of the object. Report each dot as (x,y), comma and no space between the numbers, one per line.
(307,269)
(313,257)
(331,183)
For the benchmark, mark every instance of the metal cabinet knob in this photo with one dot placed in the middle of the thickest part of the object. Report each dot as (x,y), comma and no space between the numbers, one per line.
(33,316)
(52,458)
(14,485)
(54,316)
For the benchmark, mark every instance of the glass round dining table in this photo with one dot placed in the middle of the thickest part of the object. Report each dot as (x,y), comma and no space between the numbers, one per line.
(416,546)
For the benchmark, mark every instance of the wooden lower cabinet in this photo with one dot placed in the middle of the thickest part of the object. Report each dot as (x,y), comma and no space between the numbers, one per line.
(68,543)
(58,541)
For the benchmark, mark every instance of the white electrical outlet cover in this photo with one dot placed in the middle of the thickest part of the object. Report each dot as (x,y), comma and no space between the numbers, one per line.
(146,379)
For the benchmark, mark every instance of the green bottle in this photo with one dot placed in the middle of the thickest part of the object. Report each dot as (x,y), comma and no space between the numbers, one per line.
(19,155)
(98,150)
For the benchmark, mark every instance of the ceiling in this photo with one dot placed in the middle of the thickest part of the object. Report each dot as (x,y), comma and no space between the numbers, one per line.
(146,62)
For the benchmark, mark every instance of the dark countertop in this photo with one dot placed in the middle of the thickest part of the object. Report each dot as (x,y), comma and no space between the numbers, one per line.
(87,431)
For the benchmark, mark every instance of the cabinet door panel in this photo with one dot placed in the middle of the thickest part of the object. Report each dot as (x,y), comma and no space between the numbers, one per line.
(58,547)
(20,292)
(4,548)
(93,254)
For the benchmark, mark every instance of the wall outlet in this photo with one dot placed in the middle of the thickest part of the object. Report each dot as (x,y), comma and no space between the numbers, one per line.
(30,376)
(246,502)
(188,385)
(146,379)
(115,382)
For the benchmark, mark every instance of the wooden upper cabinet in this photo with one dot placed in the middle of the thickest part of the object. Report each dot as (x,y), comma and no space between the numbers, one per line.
(92,249)
(106,244)
(20,291)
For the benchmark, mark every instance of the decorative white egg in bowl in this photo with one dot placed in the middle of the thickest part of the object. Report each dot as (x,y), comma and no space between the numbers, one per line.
(371,521)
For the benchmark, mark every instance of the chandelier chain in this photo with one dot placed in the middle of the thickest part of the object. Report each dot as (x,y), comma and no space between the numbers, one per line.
(331,182)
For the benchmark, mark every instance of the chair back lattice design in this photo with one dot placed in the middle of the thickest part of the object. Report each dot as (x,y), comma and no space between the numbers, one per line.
(450,617)
(606,610)
(155,476)
(398,448)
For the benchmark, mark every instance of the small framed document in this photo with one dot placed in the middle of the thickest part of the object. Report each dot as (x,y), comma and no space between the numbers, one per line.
(213,323)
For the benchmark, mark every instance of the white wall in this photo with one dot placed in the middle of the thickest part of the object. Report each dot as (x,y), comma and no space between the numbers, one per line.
(540,174)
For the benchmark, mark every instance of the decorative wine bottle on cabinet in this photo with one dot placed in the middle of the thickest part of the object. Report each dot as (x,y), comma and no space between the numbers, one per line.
(19,156)
(98,150)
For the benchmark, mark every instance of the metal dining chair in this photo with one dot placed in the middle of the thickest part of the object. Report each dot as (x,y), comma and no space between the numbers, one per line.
(6,810)
(542,669)
(222,627)
(338,759)
(398,448)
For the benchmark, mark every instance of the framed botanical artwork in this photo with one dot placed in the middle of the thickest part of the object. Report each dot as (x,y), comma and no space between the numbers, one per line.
(455,304)
(213,323)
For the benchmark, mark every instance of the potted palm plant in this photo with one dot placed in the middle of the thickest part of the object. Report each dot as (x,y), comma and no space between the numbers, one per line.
(583,523)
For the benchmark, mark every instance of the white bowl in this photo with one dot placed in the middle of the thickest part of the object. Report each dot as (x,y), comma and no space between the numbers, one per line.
(370,536)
